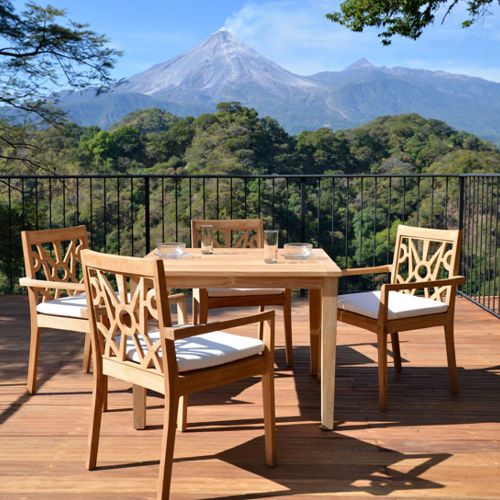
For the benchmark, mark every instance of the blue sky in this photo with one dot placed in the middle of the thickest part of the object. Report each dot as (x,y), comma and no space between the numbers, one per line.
(292,33)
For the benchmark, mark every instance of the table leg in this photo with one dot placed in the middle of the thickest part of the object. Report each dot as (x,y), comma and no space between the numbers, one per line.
(314,328)
(328,351)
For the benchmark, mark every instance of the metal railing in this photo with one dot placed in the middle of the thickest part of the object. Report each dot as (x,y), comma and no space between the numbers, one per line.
(353,217)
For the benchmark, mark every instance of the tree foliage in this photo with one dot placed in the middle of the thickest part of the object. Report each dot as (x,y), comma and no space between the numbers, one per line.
(407,19)
(41,50)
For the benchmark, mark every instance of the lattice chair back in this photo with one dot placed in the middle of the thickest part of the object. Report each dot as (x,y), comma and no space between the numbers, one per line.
(54,255)
(425,255)
(128,301)
(236,233)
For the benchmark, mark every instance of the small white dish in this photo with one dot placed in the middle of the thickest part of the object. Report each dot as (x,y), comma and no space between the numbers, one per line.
(297,251)
(170,250)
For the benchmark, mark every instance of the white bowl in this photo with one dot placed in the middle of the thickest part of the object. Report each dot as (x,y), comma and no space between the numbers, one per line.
(297,250)
(170,250)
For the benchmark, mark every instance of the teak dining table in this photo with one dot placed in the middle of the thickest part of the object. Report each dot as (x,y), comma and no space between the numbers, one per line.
(245,267)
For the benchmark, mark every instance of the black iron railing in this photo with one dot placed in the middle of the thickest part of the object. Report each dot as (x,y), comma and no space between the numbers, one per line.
(353,217)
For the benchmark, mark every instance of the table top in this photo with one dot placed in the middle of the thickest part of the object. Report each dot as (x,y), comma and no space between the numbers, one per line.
(247,263)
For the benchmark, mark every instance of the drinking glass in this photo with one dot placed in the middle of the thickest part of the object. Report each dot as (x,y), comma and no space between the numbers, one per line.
(207,239)
(271,246)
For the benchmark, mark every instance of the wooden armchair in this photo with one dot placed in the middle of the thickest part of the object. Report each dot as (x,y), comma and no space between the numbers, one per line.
(126,295)
(426,261)
(55,287)
(244,233)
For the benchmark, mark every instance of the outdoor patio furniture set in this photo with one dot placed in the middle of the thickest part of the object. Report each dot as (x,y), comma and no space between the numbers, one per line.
(122,305)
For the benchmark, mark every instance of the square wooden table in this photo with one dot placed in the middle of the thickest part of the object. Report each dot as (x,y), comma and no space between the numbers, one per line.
(245,267)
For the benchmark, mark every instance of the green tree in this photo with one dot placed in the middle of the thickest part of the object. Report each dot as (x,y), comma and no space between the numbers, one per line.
(407,19)
(41,51)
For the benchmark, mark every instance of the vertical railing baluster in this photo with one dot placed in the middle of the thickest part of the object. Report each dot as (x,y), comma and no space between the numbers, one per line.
(176,192)
(91,201)
(132,216)
(163,209)
(231,197)
(432,201)
(446,203)
(302,209)
(287,211)
(204,198)
(50,202)
(332,215)
(11,252)
(404,199)
(361,213)
(36,204)
(273,201)
(118,222)
(318,222)
(147,220)
(245,194)
(259,195)
(375,188)
(387,251)
(105,213)
(217,198)
(63,181)
(418,201)
(77,214)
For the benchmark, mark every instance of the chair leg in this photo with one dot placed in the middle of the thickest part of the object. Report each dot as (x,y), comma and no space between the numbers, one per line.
(182,313)
(87,353)
(450,354)
(167,446)
(287,314)
(33,358)
(382,370)
(396,352)
(261,324)
(105,395)
(269,417)
(96,418)
(203,312)
(139,406)
(182,413)
(195,310)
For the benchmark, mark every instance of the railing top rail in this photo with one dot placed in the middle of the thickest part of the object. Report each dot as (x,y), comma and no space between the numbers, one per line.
(227,176)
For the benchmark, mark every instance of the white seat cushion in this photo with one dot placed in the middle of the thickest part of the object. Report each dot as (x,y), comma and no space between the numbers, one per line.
(243,292)
(206,350)
(65,306)
(401,305)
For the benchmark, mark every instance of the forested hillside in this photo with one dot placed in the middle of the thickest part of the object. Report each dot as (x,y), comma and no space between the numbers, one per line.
(235,140)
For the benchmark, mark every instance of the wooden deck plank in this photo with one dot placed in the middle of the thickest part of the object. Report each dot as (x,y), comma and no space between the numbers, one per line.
(430,444)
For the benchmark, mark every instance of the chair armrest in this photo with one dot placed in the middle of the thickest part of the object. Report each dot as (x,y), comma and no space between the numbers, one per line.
(416,285)
(367,270)
(190,330)
(60,285)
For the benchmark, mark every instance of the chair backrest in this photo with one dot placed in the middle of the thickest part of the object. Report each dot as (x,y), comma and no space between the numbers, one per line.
(237,233)
(54,255)
(424,255)
(128,299)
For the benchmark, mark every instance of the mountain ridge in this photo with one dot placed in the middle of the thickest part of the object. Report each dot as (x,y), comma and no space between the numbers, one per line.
(222,68)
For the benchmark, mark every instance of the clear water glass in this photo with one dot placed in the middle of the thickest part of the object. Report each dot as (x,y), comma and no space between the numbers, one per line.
(207,239)
(271,246)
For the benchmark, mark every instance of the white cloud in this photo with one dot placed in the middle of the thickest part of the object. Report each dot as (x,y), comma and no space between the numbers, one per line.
(296,35)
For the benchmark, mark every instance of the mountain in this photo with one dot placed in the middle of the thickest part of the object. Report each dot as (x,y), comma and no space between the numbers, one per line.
(222,68)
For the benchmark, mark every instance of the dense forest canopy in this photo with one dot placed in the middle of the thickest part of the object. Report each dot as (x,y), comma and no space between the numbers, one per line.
(235,140)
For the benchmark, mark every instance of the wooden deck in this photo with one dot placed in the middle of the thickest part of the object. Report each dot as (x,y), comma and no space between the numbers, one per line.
(429,444)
